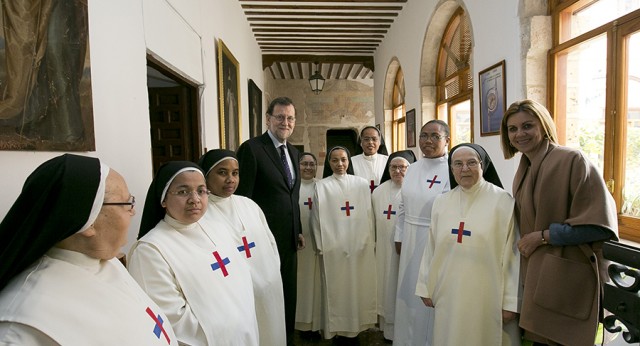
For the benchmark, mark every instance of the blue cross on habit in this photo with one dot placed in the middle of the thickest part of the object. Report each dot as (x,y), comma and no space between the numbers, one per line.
(433,181)
(220,263)
(158,329)
(246,247)
(372,186)
(309,202)
(347,208)
(389,212)
(460,232)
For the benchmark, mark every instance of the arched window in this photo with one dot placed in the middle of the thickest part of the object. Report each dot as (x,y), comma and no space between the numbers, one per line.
(454,80)
(398,123)
(594,93)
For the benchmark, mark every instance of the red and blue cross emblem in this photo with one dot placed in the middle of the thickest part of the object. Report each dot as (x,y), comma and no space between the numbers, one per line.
(433,181)
(159,328)
(246,247)
(372,186)
(347,208)
(220,263)
(389,212)
(460,232)
(309,202)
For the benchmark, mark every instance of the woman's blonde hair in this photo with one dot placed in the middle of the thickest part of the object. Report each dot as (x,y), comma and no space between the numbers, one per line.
(535,109)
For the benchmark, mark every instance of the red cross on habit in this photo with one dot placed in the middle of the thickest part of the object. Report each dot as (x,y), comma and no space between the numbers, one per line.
(372,186)
(308,202)
(220,263)
(389,212)
(460,232)
(247,248)
(434,181)
(347,208)
(159,328)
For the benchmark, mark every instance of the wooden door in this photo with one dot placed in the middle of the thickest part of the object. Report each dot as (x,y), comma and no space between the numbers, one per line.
(172,129)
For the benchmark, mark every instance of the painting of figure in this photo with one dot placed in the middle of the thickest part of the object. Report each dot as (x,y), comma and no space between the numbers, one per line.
(45,77)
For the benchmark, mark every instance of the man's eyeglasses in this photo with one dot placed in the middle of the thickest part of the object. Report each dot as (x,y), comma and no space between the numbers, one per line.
(400,168)
(281,118)
(470,164)
(433,136)
(200,193)
(131,202)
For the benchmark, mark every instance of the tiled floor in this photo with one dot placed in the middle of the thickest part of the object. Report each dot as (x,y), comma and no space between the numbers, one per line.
(371,337)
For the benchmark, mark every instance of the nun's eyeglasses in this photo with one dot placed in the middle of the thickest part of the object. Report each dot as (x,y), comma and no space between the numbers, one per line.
(132,203)
(199,193)
(471,164)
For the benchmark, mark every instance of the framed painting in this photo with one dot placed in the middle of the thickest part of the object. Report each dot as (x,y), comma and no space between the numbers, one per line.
(46,101)
(492,98)
(411,128)
(229,98)
(255,110)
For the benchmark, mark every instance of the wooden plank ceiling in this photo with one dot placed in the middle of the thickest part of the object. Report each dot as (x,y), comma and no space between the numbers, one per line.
(337,37)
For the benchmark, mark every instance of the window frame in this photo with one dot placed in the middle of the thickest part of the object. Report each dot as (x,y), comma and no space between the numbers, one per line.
(615,104)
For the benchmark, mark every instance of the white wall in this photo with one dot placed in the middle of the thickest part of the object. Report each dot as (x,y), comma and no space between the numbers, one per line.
(121,32)
(495,36)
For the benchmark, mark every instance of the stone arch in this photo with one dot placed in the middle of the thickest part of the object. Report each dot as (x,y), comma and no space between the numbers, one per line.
(429,59)
(536,39)
(387,94)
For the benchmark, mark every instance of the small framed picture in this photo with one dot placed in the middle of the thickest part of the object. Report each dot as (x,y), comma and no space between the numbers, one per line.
(411,128)
(255,110)
(492,98)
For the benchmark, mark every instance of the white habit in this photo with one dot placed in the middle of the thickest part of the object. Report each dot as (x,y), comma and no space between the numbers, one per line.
(308,307)
(386,200)
(254,241)
(342,225)
(471,265)
(198,278)
(68,298)
(424,181)
(370,168)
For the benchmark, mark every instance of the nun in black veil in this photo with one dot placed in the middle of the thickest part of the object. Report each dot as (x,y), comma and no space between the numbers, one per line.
(472,240)
(60,280)
(189,266)
(343,231)
(386,200)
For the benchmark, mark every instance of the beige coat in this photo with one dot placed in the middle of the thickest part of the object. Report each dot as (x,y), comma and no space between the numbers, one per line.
(562,286)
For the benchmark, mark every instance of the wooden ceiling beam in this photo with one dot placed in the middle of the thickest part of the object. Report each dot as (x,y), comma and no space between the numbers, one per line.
(279,66)
(339,73)
(315,39)
(290,70)
(297,14)
(344,31)
(318,25)
(322,7)
(317,45)
(346,76)
(316,19)
(357,73)
(270,59)
(329,1)
(332,36)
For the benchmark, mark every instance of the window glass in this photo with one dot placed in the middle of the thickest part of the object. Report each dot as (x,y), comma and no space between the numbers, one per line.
(595,14)
(631,191)
(581,89)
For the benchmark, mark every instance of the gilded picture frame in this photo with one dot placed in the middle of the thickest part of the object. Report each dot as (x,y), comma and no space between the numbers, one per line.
(228,98)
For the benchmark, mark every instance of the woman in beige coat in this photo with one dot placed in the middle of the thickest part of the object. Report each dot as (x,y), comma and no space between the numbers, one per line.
(565,213)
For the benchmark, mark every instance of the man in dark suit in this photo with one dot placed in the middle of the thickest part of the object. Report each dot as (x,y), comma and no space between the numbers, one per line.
(270,176)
